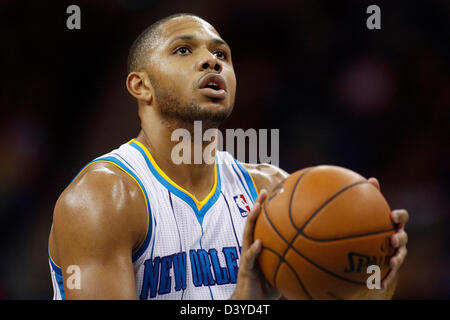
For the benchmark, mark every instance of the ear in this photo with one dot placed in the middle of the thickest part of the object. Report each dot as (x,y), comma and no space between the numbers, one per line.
(139,86)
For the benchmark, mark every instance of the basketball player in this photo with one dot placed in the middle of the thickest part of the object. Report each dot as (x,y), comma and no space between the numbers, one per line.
(139,226)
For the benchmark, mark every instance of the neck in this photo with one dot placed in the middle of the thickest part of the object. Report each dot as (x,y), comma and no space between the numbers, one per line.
(179,151)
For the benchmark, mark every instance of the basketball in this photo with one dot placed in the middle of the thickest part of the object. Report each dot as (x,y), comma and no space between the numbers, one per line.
(320,230)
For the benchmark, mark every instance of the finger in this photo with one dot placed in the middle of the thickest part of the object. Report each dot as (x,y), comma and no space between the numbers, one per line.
(400,217)
(399,239)
(250,255)
(397,260)
(257,206)
(374,182)
(391,276)
(395,264)
(251,220)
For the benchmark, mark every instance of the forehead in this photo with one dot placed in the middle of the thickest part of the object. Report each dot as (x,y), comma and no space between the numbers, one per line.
(187,25)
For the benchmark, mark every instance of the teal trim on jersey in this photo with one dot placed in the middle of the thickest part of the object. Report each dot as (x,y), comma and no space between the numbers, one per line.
(54,266)
(249,180)
(80,172)
(60,281)
(200,214)
(242,183)
(58,277)
(119,163)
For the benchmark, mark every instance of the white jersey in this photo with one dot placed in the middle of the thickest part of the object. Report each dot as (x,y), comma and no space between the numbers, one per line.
(192,248)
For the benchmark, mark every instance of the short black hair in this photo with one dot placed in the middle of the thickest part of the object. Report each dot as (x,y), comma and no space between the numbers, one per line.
(140,46)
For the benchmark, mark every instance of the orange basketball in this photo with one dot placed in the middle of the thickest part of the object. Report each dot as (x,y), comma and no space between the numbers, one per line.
(320,230)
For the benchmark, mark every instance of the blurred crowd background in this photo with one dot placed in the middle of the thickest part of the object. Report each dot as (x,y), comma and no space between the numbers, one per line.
(375,101)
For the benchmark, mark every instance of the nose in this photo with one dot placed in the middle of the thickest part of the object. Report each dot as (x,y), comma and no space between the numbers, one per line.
(209,61)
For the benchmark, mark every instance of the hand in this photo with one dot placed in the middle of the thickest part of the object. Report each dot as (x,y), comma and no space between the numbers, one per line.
(398,240)
(251,284)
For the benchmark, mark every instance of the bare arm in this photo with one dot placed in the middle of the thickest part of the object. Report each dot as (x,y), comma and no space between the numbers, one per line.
(98,221)
(266,176)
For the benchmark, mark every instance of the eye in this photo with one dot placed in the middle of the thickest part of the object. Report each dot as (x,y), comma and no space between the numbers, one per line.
(182,50)
(220,54)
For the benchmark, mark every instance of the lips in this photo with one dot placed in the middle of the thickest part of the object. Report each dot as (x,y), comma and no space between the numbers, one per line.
(213,86)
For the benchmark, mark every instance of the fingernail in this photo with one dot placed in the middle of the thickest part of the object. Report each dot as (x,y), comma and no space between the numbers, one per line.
(397,216)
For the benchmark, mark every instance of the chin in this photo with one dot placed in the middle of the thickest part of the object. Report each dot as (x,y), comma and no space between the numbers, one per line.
(213,112)
(217,107)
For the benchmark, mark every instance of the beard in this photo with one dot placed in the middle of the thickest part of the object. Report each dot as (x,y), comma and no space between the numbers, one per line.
(173,108)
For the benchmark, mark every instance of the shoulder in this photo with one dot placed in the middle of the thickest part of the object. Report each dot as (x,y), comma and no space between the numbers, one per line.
(101,201)
(100,188)
(266,176)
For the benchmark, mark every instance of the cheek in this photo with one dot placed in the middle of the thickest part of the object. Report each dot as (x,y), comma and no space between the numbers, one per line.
(170,75)
(232,85)
(176,83)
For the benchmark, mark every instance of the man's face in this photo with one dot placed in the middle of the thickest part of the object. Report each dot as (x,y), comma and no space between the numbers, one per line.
(191,72)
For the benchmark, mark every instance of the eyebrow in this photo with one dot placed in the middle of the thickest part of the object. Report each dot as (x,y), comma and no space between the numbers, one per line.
(191,37)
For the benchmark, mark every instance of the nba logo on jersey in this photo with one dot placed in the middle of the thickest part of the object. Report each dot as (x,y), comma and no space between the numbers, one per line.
(242,205)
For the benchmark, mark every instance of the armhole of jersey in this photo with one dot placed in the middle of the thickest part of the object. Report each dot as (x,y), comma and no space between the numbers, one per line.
(58,277)
(119,164)
(254,184)
(249,180)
